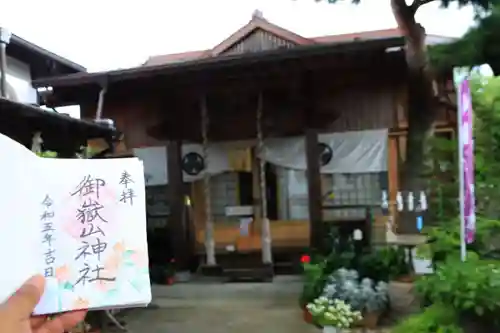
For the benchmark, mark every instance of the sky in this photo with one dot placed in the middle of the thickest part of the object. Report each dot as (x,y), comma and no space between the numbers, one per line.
(111,34)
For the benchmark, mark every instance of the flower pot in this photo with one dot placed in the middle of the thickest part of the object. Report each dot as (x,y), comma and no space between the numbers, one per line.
(307,316)
(402,298)
(370,320)
(330,329)
(406,278)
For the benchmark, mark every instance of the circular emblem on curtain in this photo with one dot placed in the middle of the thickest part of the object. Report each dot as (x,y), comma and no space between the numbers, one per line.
(193,163)
(325,153)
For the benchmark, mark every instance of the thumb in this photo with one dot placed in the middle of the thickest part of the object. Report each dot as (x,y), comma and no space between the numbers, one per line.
(22,303)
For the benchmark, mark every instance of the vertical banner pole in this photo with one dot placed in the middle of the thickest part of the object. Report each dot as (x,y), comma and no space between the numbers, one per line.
(466,153)
(458,76)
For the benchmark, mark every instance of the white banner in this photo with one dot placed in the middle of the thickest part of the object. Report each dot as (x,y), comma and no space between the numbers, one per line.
(348,152)
(155,162)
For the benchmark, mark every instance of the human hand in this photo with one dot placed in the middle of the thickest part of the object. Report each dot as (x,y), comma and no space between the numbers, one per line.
(16,312)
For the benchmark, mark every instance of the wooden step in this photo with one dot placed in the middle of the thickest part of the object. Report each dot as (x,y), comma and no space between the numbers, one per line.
(262,273)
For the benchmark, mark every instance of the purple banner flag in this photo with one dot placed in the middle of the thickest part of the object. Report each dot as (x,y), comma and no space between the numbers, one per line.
(466,144)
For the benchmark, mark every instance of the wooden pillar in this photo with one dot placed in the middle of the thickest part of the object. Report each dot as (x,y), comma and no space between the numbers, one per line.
(314,188)
(309,105)
(176,225)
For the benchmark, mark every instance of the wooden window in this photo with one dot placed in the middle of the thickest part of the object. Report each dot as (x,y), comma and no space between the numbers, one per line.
(157,206)
(230,189)
(354,189)
(223,193)
(292,194)
(362,189)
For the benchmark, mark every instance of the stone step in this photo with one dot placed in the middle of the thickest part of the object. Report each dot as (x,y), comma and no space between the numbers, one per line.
(258,273)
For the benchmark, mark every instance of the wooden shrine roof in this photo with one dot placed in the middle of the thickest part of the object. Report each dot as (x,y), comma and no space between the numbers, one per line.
(21,121)
(76,88)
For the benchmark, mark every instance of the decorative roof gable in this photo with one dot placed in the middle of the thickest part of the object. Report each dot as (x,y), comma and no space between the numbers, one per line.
(258,35)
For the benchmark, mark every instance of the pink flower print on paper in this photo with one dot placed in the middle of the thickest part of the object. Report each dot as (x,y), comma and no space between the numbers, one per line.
(112,263)
(119,248)
(81,304)
(71,228)
(139,259)
(63,273)
(104,286)
(88,216)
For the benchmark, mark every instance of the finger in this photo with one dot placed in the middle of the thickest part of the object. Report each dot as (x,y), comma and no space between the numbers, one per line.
(24,300)
(37,321)
(62,323)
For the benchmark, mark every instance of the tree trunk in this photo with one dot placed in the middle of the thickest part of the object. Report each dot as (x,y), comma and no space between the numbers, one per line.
(422,111)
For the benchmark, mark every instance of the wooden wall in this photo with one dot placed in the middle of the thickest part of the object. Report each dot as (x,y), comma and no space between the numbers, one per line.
(397,140)
(259,40)
(370,105)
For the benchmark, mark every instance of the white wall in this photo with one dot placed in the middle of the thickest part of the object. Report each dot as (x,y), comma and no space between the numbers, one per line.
(20,88)
(19,79)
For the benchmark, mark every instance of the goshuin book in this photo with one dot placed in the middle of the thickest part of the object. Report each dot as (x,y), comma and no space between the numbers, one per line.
(80,223)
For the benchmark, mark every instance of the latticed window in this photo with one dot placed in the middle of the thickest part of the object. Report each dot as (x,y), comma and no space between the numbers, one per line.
(363,189)
(229,189)
(157,206)
(293,198)
(359,190)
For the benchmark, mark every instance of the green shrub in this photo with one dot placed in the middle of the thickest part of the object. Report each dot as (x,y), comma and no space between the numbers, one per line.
(314,281)
(384,264)
(471,288)
(434,319)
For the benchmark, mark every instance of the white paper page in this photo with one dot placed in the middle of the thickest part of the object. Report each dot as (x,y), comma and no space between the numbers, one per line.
(19,236)
(100,248)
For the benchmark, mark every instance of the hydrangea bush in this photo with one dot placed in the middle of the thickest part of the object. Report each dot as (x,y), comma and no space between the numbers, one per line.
(365,296)
(335,313)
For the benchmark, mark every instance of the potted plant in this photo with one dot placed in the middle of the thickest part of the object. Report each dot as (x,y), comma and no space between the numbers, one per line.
(374,300)
(371,299)
(313,284)
(333,315)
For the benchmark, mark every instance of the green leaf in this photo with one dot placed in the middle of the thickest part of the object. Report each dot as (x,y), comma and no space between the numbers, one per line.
(479,310)
(136,285)
(468,305)
(112,292)
(128,253)
(67,286)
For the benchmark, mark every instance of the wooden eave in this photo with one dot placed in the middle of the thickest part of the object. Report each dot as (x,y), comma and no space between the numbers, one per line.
(222,62)
(21,121)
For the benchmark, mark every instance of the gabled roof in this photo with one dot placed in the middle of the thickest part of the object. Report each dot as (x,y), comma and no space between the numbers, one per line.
(258,22)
